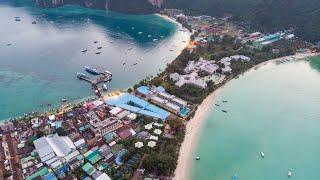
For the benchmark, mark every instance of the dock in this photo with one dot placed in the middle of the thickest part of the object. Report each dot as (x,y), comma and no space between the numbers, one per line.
(103,78)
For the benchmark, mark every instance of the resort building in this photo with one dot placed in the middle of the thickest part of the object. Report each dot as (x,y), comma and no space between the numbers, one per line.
(208,66)
(101,128)
(192,79)
(159,97)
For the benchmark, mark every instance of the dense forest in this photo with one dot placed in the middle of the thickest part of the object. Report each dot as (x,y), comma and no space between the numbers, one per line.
(265,15)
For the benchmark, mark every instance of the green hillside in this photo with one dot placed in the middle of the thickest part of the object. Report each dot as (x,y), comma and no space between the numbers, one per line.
(270,15)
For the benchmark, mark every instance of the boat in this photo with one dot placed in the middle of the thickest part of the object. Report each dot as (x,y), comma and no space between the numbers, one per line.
(95,42)
(123,64)
(110,41)
(63,100)
(9,44)
(135,64)
(234,177)
(17,19)
(100,47)
(224,111)
(217,104)
(81,75)
(149,36)
(262,154)
(132,28)
(34,22)
(171,49)
(108,72)
(197,158)
(92,70)
(224,101)
(104,87)
(140,32)
(130,49)
(289,173)
(155,40)
(99,52)
(84,50)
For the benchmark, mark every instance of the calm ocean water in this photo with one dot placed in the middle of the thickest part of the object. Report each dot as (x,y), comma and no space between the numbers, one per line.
(40,65)
(275,109)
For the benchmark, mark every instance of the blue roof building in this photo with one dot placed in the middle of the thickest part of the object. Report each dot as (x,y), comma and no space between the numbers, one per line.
(136,105)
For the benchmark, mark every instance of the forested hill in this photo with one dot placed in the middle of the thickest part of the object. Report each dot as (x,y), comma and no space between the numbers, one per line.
(270,15)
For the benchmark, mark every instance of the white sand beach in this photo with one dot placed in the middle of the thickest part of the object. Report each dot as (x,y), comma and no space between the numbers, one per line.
(194,125)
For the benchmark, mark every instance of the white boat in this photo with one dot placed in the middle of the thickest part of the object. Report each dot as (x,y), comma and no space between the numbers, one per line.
(140,32)
(289,173)
(197,158)
(262,154)
(104,87)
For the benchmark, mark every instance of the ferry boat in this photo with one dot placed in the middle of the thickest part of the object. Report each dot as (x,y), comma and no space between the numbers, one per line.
(81,75)
(92,70)
(108,72)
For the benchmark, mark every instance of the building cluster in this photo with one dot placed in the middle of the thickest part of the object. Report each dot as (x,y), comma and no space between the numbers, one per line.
(199,73)
(260,40)
(161,98)
(85,141)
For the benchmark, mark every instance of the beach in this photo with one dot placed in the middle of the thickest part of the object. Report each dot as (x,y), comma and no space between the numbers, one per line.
(195,124)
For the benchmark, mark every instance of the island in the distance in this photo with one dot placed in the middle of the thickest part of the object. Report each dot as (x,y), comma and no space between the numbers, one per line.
(140,133)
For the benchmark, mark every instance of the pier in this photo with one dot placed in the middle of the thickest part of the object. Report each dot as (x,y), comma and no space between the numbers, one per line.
(103,78)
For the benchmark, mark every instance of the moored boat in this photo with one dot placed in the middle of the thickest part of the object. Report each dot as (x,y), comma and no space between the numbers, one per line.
(92,70)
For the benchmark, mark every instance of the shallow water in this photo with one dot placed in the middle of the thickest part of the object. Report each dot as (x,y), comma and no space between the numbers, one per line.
(40,65)
(275,109)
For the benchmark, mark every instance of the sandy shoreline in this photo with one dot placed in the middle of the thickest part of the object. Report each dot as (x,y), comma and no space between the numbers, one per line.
(194,125)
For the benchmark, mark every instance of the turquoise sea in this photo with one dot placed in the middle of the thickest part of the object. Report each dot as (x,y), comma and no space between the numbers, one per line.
(274,109)
(40,65)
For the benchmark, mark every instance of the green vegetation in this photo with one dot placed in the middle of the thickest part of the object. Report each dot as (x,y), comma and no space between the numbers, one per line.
(270,15)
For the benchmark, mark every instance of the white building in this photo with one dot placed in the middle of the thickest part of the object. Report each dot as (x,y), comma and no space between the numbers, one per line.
(52,148)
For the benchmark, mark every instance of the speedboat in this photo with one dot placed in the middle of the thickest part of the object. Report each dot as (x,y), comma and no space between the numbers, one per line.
(100,47)
(84,50)
(140,32)
(262,154)
(98,52)
(289,173)
(197,158)
(92,70)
